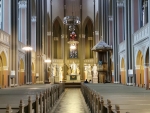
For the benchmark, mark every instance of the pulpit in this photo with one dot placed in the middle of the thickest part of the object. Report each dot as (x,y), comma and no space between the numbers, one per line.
(103,68)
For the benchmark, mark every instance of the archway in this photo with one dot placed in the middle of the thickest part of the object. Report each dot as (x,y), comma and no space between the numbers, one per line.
(140,69)
(21,76)
(88,30)
(123,81)
(112,71)
(146,70)
(4,70)
(33,74)
(1,72)
(57,42)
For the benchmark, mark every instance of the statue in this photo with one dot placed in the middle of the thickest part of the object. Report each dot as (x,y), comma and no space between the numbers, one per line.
(69,71)
(60,73)
(89,70)
(73,68)
(78,71)
(85,72)
(53,71)
(94,71)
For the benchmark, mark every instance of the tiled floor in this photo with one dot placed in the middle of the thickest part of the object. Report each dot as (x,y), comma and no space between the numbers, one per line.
(72,101)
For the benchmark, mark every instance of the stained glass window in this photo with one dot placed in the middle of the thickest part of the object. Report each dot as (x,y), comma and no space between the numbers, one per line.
(74,53)
(73,45)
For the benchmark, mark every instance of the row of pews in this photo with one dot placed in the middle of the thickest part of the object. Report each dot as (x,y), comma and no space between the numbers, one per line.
(30,99)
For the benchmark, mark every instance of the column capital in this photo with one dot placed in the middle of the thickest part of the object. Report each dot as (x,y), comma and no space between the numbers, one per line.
(96,33)
(120,3)
(22,4)
(33,19)
(48,33)
(146,3)
(137,66)
(83,35)
(62,36)
(110,18)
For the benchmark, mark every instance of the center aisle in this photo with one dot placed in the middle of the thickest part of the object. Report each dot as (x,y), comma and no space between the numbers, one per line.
(71,101)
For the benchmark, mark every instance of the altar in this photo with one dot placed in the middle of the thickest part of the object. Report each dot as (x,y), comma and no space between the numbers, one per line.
(73,78)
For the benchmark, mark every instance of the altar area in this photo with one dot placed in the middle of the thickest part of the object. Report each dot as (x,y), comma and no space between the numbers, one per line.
(73,73)
(73,78)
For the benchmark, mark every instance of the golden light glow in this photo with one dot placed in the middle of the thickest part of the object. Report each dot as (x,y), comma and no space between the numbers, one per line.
(47,60)
(73,46)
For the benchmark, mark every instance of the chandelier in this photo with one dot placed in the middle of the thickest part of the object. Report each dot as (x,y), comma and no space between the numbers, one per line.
(71,28)
(71,20)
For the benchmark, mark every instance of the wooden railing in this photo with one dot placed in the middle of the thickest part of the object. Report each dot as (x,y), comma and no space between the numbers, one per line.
(96,103)
(43,102)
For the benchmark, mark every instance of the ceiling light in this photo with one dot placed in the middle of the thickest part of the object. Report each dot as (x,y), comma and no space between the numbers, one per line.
(72,46)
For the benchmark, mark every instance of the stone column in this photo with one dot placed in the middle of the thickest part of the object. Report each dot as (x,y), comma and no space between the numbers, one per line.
(14,38)
(115,42)
(39,54)
(28,54)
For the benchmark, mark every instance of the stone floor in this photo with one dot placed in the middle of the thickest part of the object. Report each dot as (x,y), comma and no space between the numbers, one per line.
(130,99)
(71,101)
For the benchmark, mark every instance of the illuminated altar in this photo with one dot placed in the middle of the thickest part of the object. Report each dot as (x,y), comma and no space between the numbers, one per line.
(73,73)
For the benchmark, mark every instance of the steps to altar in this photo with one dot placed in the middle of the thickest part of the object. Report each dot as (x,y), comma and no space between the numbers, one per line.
(72,84)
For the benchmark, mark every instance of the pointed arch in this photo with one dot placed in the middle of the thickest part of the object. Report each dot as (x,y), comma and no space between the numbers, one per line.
(21,72)
(1,72)
(122,72)
(140,68)
(88,31)
(32,66)
(4,59)
(138,58)
(85,22)
(60,22)
(122,63)
(21,64)
(57,40)
(147,57)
